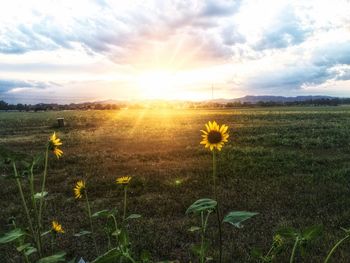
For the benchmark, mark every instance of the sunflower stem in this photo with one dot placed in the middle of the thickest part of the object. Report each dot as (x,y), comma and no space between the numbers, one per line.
(24,203)
(90,220)
(31,183)
(125,196)
(43,188)
(52,242)
(335,247)
(291,260)
(218,206)
(116,229)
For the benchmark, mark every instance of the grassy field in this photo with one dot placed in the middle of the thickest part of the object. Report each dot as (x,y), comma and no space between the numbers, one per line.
(289,164)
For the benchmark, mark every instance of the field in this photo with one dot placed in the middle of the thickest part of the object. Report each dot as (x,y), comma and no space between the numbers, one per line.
(289,164)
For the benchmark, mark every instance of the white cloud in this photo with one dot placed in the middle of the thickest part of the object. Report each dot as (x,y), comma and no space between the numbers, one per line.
(98,49)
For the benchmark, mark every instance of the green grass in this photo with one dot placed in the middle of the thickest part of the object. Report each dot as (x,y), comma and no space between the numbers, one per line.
(289,164)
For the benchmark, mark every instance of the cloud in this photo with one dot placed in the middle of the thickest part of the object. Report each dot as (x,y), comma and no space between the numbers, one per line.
(9,85)
(287,30)
(264,46)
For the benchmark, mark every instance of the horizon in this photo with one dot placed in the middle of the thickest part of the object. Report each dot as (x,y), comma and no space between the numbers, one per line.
(173,50)
(216,100)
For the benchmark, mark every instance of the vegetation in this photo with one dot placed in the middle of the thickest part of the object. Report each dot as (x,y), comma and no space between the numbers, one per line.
(288,164)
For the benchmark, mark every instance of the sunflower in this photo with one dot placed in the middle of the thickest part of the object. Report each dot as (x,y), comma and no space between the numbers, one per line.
(79,189)
(123,180)
(54,142)
(215,136)
(57,152)
(57,228)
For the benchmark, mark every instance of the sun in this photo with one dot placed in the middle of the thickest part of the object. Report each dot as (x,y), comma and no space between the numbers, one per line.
(157,84)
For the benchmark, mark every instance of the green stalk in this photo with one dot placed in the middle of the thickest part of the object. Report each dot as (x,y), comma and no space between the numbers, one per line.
(52,242)
(125,195)
(90,219)
(116,228)
(204,229)
(24,203)
(294,250)
(218,206)
(202,239)
(335,247)
(43,187)
(129,257)
(31,181)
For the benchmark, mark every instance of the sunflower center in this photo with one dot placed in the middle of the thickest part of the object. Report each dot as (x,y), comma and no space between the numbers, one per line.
(214,137)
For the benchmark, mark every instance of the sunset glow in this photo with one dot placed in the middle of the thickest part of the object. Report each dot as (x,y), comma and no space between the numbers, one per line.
(139,50)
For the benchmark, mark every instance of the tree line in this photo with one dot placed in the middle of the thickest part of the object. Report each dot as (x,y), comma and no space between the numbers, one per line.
(4,106)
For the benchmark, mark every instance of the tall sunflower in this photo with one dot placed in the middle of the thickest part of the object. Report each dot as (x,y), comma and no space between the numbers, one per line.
(54,143)
(79,189)
(57,228)
(215,136)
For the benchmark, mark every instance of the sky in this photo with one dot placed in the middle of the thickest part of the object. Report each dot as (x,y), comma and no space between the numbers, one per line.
(67,51)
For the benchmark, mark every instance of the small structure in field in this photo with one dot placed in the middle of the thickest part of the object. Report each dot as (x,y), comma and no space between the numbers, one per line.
(60,122)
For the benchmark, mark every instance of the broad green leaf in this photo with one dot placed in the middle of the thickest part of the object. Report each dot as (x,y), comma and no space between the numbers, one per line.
(30,250)
(109,257)
(102,213)
(288,232)
(40,195)
(235,218)
(82,233)
(58,257)
(11,236)
(24,246)
(194,228)
(133,216)
(312,232)
(201,205)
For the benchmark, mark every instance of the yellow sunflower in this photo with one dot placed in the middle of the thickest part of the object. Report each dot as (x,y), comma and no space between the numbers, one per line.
(54,142)
(57,228)
(215,136)
(57,152)
(79,189)
(123,180)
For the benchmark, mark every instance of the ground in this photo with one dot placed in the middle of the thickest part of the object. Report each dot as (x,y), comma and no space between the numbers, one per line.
(290,164)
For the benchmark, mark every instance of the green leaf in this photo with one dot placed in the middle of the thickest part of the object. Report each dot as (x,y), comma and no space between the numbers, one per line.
(58,257)
(133,216)
(312,232)
(201,205)
(123,238)
(235,218)
(109,256)
(288,233)
(12,236)
(24,246)
(82,233)
(40,195)
(102,213)
(30,250)
(45,233)
(194,228)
